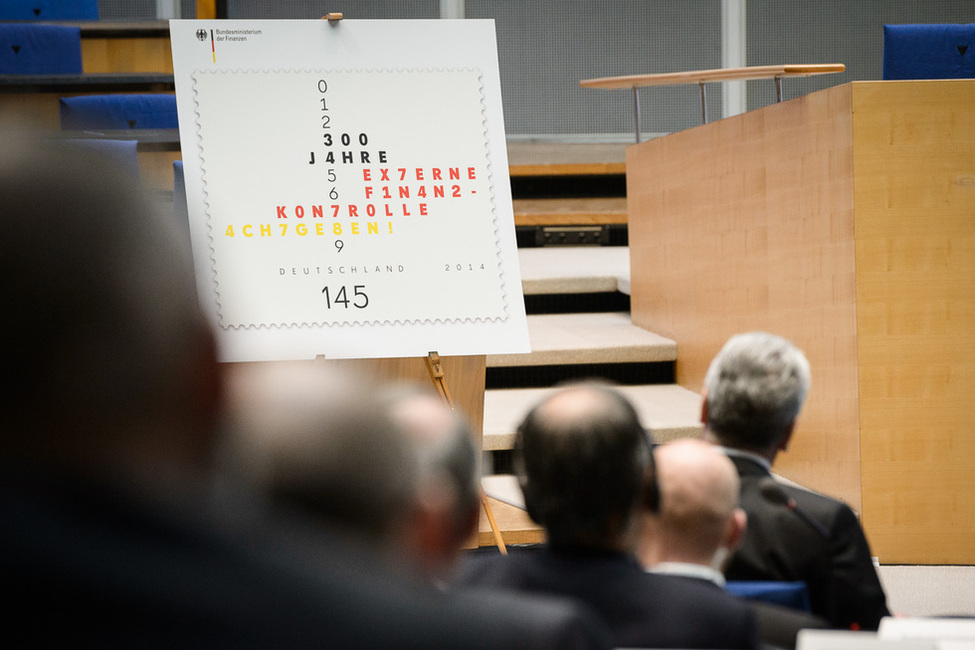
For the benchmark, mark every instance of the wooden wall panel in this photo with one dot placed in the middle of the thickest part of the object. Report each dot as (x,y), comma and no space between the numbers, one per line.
(915,207)
(156,168)
(107,55)
(30,110)
(747,223)
(845,221)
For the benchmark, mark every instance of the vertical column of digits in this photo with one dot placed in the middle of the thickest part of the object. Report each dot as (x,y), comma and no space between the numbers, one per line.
(330,176)
(336,297)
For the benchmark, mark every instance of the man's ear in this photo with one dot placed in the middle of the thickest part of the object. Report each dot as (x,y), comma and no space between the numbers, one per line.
(531,505)
(704,407)
(737,524)
(433,531)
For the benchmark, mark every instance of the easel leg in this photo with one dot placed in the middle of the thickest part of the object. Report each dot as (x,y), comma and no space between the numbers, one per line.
(498,540)
(437,375)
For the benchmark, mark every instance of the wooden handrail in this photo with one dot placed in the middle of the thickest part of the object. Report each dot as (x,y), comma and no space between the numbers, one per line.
(707,76)
(701,77)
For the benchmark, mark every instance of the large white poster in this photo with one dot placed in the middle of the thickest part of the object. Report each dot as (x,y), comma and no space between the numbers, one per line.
(347,187)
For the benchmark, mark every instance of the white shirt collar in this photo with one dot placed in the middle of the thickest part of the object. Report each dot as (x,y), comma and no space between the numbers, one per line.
(689,570)
(755,458)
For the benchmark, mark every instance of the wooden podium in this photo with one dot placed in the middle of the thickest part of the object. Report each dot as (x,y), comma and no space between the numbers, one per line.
(843,220)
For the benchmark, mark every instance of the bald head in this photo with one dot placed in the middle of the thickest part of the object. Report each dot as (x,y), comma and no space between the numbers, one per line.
(579,407)
(421,414)
(446,493)
(317,440)
(441,442)
(698,504)
(695,477)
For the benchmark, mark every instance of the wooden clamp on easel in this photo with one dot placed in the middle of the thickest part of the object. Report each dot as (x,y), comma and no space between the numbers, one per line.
(437,375)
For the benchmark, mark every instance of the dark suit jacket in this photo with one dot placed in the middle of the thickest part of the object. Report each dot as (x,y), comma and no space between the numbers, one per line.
(780,545)
(92,566)
(779,626)
(642,610)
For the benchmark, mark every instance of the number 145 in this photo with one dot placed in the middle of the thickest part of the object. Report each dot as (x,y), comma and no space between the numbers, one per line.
(359,298)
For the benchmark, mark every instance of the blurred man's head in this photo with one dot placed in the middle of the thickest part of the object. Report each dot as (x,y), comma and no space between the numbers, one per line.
(699,521)
(584,465)
(754,390)
(317,442)
(107,360)
(392,465)
(447,490)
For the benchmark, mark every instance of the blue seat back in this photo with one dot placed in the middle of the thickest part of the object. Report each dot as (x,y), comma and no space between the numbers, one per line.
(940,51)
(49,10)
(39,49)
(786,594)
(119,111)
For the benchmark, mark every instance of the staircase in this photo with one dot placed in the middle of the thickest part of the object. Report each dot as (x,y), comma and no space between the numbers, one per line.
(575,276)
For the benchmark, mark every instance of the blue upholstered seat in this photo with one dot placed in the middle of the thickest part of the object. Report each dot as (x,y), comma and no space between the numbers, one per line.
(119,111)
(940,51)
(787,594)
(39,49)
(49,10)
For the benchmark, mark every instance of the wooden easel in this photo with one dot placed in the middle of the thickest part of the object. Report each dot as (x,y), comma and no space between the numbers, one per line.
(440,382)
